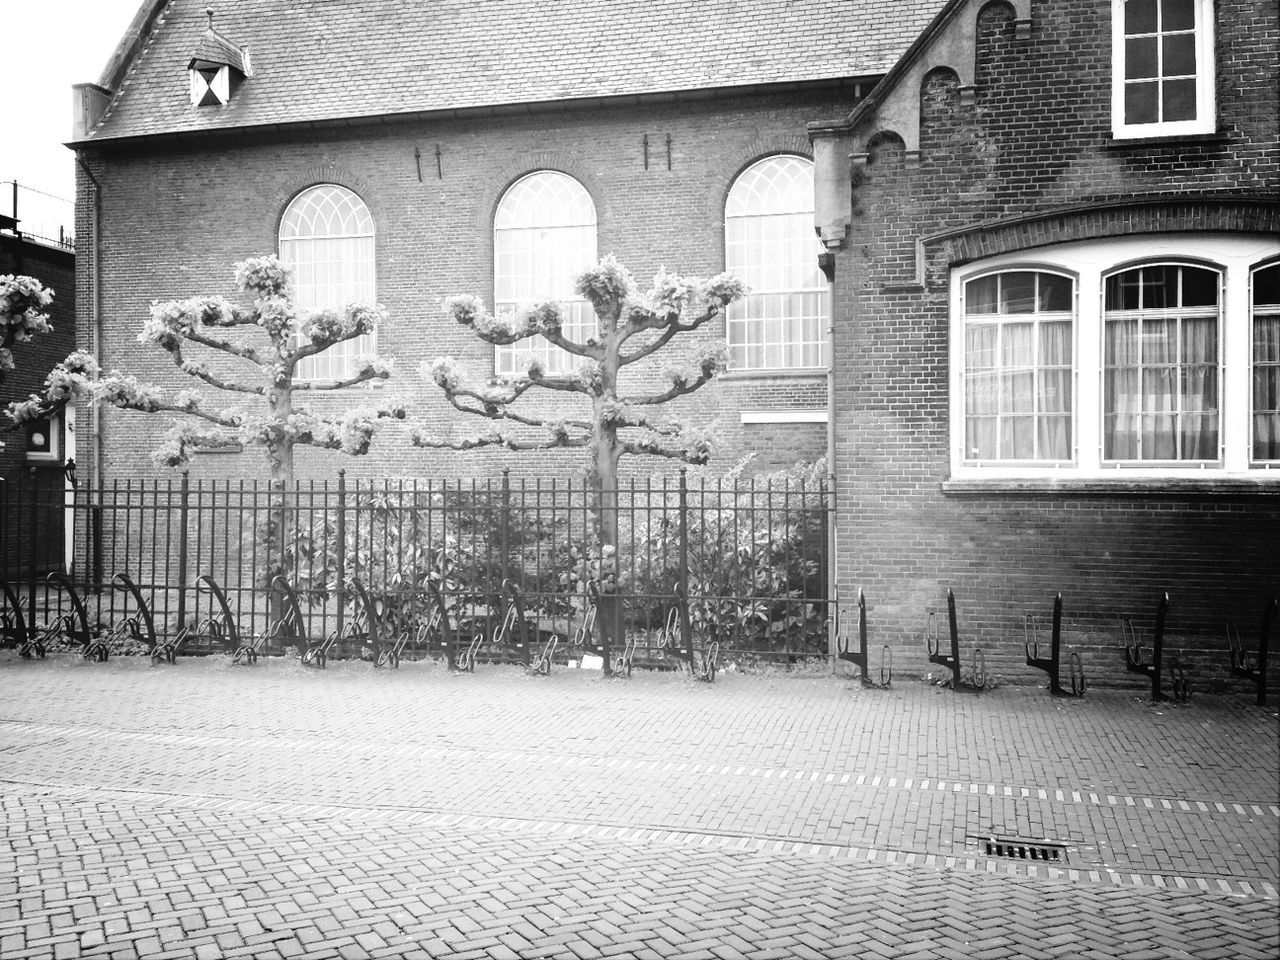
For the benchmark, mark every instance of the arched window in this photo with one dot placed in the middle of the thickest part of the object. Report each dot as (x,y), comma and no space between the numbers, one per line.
(770,245)
(544,234)
(1161,384)
(1018,362)
(326,235)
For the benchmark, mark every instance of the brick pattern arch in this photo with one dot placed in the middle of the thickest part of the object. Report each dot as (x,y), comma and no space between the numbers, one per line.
(886,148)
(487,207)
(940,105)
(289,187)
(757,150)
(1087,222)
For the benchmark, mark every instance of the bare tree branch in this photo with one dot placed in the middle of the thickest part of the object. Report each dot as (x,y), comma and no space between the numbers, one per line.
(196,369)
(500,439)
(366,374)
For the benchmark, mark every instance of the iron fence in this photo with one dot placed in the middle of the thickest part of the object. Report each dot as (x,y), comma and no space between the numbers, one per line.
(750,557)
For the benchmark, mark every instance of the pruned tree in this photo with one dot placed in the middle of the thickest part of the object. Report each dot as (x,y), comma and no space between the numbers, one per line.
(631,327)
(261,409)
(23,301)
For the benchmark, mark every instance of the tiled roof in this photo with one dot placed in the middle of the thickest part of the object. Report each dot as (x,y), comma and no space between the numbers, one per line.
(215,48)
(316,60)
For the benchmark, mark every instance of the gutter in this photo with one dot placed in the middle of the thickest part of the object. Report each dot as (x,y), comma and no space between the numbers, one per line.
(478,111)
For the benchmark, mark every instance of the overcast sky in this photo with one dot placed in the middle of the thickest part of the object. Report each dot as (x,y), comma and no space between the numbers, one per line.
(48,46)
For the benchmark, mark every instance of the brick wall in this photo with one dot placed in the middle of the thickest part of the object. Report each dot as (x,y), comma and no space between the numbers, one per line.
(1034,152)
(174,219)
(33,359)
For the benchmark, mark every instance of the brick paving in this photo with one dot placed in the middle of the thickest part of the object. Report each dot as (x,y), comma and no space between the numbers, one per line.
(207,811)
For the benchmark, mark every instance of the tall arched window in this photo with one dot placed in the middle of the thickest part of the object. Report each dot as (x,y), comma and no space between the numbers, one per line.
(326,235)
(770,244)
(544,234)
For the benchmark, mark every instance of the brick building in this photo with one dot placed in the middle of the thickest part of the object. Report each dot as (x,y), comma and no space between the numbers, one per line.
(36,452)
(1055,230)
(491,148)
(1049,235)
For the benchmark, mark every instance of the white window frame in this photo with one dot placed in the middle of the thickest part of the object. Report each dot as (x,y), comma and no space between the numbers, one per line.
(1220,321)
(307,369)
(1091,261)
(1206,71)
(1257,464)
(734,315)
(508,359)
(1021,317)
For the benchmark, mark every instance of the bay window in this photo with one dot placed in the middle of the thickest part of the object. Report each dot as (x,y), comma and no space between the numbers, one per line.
(1133,357)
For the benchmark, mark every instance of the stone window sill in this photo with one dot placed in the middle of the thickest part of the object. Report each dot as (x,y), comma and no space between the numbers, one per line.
(1167,140)
(795,373)
(1264,486)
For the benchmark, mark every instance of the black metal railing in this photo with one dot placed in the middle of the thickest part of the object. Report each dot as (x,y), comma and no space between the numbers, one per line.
(749,557)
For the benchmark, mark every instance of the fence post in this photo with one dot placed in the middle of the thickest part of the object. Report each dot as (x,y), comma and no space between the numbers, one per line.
(683,573)
(342,549)
(35,539)
(505,525)
(184,509)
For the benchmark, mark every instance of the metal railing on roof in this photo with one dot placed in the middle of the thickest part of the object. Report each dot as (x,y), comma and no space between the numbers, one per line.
(37,215)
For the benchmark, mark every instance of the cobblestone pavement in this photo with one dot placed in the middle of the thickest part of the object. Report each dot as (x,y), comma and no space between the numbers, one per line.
(205,810)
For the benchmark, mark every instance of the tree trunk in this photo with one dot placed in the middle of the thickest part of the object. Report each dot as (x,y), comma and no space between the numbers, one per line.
(605,489)
(280,521)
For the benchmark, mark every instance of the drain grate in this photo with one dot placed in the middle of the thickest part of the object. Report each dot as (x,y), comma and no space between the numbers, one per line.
(1016,848)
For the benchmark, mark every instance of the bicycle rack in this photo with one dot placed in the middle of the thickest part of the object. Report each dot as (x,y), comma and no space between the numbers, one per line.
(624,661)
(122,581)
(291,625)
(933,643)
(542,662)
(366,615)
(391,657)
(1136,659)
(439,624)
(467,658)
(860,658)
(677,639)
(514,629)
(585,635)
(166,651)
(241,652)
(93,646)
(15,626)
(1053,664)
(1240,666)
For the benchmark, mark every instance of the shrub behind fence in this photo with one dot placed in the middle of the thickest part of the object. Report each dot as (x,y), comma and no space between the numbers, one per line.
(751,556)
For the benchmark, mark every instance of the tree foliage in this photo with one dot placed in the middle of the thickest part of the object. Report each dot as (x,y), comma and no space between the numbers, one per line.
(631,327)
(260,407)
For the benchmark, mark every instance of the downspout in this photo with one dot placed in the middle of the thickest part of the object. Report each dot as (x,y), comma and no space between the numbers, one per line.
(95,410)
(827,262)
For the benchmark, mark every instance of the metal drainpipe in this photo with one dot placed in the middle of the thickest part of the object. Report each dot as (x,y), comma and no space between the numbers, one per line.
(832,566)
(96,313)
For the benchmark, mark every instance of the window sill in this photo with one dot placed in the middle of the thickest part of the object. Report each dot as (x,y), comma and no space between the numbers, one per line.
(1165,140)
(794,373)
(1139,486)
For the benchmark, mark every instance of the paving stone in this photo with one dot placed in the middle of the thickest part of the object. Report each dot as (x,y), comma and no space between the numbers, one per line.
(662,825)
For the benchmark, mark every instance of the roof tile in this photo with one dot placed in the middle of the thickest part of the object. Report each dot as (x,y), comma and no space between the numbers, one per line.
(327,59)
